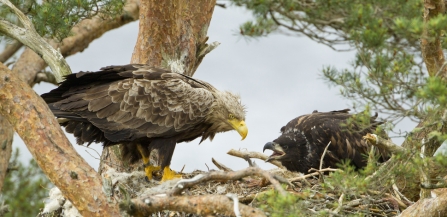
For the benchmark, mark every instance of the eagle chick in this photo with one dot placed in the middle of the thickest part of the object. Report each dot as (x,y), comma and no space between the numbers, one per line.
(304,139)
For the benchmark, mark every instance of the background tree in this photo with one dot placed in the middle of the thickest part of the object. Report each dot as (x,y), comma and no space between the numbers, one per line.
(399,68)
(25,188)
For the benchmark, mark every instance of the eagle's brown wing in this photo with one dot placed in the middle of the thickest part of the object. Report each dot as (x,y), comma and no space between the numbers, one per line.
(130,102)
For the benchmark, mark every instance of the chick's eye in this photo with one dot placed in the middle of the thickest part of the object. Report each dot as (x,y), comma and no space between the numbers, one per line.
(231,116)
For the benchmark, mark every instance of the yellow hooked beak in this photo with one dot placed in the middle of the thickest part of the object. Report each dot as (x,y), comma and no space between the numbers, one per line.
(240,127)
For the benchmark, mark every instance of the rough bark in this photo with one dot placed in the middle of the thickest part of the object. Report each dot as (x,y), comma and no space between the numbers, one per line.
(431,46)
(436,206)
(6,135)
(36,125)
(173,33)
(202,205)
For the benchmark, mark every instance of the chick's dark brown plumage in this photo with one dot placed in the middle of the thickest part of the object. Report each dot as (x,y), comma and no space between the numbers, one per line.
(303,140)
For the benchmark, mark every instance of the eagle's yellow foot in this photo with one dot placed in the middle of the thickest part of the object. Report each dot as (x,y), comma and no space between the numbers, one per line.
(149,169)
(169,174)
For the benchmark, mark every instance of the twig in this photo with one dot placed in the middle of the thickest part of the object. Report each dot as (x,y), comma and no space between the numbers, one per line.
(396,190)
(249,154)
(184,165)
(247,199)
(46,77)
(433,186)
(220,175)
(324,153)
(314,174)
(385,167)
(340,203)
(236,204)
(425,181)
(222,5)
(202,205)
(220,165)
(379,142)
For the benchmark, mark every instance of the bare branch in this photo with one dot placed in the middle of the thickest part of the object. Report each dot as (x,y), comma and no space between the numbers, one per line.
(220,165)
(219,175)
(322,155)
(9,51)
(313,174)
(434,186)
(201,205)
(236,204)
(252,154)
(379,142)
(398,193)
(340,203)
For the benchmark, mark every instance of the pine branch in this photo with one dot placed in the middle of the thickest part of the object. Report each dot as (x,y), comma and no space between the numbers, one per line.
(29,64)
(29,37)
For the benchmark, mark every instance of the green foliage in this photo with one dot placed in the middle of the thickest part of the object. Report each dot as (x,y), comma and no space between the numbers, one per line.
(25,188)
(322,198)
(387,71)
(277,205)
(54,19)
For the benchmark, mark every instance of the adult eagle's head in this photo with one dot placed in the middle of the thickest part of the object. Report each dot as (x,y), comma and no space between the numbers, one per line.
(303,140)
(144,108)
(227,113)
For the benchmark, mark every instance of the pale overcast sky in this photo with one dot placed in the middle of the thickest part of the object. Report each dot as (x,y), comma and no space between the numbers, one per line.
(278,78)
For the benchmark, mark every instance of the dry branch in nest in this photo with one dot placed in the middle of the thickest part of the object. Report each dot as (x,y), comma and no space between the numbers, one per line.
(201,205)
(251,154)
(379,142)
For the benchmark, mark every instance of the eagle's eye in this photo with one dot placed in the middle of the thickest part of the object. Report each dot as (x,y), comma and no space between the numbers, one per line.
(231,116)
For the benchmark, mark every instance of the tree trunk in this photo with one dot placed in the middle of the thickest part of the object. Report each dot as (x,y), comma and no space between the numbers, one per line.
(434,60)
(436,206)
(6,134)
(172,34)
(36,125)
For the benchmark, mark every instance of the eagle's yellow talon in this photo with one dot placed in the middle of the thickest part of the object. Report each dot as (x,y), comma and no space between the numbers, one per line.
(169,174)
(149,169)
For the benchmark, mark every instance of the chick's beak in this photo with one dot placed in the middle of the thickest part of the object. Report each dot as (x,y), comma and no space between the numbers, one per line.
(240,127)
(278,151)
